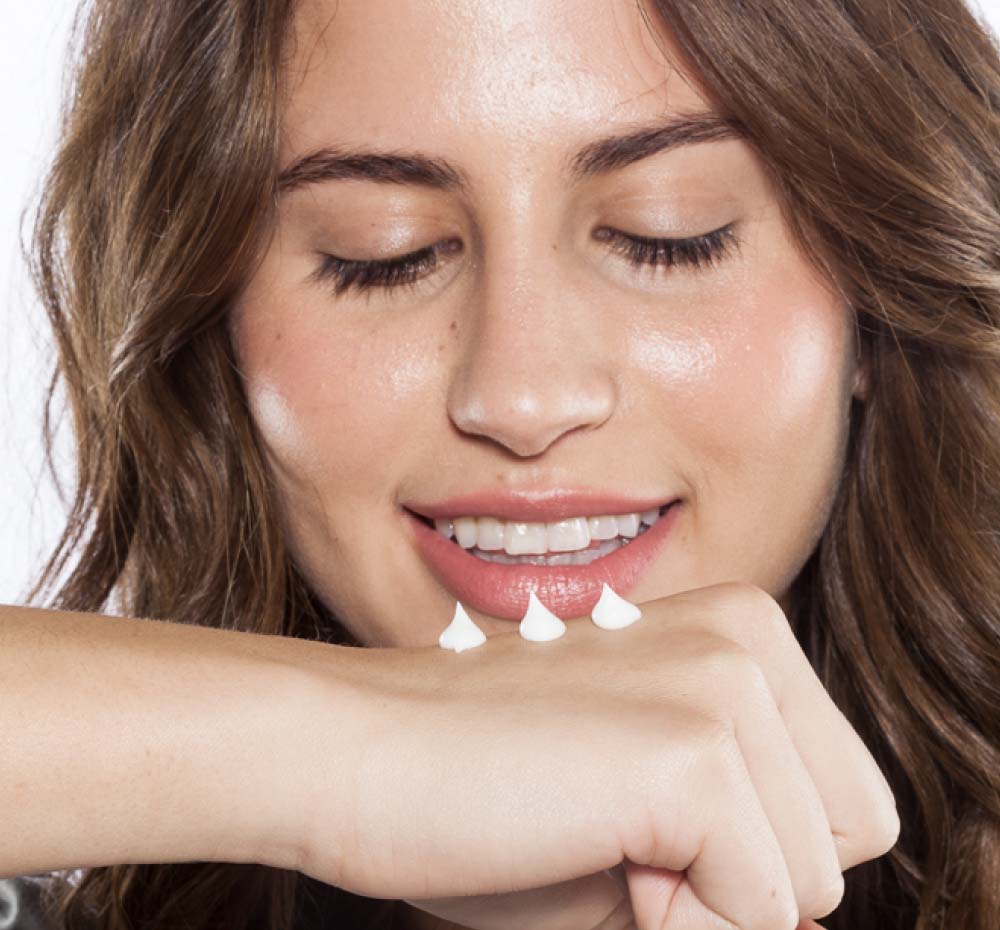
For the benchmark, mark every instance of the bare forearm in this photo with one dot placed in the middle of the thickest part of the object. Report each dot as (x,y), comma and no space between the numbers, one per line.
(139,741)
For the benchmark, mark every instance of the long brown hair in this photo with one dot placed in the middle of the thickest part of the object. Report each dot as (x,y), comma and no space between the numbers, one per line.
(880,122)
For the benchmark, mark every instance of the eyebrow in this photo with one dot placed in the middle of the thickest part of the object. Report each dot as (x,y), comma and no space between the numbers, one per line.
(618,151)
(600,157)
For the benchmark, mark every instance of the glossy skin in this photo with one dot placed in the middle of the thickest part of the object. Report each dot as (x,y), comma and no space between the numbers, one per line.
(534,356)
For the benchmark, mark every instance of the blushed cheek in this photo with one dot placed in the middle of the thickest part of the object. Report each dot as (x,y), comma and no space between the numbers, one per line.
(812,369)
(281,377)
(783,386)
(329,402)
(282,432)
(751,386)
(680,365)
(698,373)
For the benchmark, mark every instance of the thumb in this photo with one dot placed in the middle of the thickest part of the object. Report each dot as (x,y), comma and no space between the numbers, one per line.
(652,892)
(658,894)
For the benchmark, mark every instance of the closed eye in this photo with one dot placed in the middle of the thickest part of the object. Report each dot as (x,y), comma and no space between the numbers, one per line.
(405,271)
(400,271)
(695,251)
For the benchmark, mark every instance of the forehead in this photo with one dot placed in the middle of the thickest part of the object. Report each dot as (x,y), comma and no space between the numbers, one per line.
(496,81)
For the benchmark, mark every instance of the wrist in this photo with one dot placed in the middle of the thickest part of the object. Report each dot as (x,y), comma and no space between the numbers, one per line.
(309,707)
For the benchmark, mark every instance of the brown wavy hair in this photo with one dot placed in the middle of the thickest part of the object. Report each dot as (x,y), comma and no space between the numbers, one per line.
(881,125)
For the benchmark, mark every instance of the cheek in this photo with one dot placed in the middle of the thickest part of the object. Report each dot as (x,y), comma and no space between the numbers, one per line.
(752,398)
(278,424)
(757,383)
(329,402)
(784,381)
(811,360)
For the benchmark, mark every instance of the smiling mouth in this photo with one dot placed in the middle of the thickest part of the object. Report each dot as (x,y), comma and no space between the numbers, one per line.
(573,541)
(567,582)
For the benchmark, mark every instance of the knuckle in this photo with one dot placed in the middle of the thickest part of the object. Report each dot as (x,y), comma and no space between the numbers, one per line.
(748,614)
(886,830)
(719,763)
(733,675)
(742,597)
(747,676)
(868,830)
(701,751)
(717,656)
(828,900)
(784,911)
(770,625)
(872,831)
(781,913)
(790,920)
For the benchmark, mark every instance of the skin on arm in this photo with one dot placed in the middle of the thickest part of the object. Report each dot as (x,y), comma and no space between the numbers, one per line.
(139,741)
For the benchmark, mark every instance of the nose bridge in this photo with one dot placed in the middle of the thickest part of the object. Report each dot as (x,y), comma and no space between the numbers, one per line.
(535,363)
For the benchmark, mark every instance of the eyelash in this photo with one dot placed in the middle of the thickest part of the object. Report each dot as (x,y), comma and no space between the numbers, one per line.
(406,271)
(401,271)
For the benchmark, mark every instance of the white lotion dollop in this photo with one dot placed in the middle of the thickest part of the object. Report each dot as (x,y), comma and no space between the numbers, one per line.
(462,632)
(613,612)
(539,624)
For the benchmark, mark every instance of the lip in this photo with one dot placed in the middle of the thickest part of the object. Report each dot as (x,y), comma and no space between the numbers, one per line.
(535,506)
(567,590)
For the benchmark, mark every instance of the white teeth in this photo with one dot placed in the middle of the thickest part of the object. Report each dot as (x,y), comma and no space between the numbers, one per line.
(466,531)
(605,548)
(568,535)
(525,538)
(573,534)
(628,524)
(602,527)
(490,534)
(585,557)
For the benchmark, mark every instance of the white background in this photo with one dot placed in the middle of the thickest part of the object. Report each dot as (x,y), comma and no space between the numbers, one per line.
(33,37)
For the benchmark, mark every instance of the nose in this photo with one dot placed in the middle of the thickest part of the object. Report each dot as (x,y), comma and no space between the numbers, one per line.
(535,361)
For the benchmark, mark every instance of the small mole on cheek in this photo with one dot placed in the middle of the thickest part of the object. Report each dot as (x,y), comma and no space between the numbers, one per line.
(453,326)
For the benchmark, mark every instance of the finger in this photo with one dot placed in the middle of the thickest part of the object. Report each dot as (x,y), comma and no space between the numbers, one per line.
(580,902)
(651,891)
(785,787)
(724,843)
(856,797)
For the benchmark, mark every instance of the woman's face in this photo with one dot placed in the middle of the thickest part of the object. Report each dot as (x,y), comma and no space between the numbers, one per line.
(532,373)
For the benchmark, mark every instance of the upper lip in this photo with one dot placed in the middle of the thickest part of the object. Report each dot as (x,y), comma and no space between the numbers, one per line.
(536,506)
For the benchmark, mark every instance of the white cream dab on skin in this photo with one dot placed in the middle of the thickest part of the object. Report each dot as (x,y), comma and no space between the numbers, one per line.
(613,612)
(462,633)
(540,625)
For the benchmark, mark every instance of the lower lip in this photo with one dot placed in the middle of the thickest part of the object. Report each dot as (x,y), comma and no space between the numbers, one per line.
(567,590)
